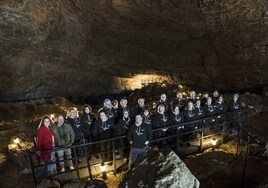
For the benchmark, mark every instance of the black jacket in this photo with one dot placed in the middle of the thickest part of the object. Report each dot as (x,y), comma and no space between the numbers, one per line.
(122,126)
(75,123)
(103,130)
(87,122)
(139,135)
(178,102)
(176,119)
(161,120)
(147,120)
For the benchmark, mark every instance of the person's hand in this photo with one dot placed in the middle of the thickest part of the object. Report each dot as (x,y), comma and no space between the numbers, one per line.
(131,142)
(38,153)
(147,142)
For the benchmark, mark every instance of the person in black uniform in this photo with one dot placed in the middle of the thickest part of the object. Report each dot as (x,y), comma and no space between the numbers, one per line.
(139,109)
(104,129)
(221,109)
(109,109)
(139,137)
(178,101)
(147,118)
(200,113)
(234,107)
(72,118)
(163,101)
(123,106)
(122,128)
(210,111)
(189,115)
(204,99)
(161,120)
(192,97)
(215,96)
(87,121)
(176,118)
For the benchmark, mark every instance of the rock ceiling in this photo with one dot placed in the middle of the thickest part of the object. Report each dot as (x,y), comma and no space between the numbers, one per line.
(77,48)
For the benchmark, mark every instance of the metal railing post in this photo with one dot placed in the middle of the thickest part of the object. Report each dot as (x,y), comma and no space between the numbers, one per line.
(114,160)
(33,170)
(76,162)
(87,159)
(238,135)
(201,139)
(245,163)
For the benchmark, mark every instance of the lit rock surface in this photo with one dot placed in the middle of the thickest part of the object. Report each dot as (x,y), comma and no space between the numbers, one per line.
(75,48)
(159,169)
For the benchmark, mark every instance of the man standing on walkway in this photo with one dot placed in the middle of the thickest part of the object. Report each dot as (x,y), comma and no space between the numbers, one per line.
(139,137)
(64,137)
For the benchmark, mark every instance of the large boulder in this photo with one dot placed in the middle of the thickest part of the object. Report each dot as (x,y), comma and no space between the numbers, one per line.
(159,168)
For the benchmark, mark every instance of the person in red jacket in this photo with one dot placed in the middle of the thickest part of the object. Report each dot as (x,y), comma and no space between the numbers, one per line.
(45,142)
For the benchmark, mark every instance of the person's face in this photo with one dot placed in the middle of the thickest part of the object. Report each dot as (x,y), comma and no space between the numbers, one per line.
(146,112)
(162,109)
(46,122)
(72,113)
(215,93)
(220,99)
(176,110)
(115,103)
(235,97)
(209,101)
(126,114)
(141,102)
(198,103)
(108,104)
(103,116)
(205,95)
(138,119)
(163,97)
(87,111)
(124,103)
(60,120)
(190,105)
(179,95)
(192,94)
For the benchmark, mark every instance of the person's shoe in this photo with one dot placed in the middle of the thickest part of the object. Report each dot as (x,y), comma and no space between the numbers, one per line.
(62,169)
(71,167)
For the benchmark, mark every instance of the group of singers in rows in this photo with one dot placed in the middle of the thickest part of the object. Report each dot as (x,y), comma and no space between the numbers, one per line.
(136,123)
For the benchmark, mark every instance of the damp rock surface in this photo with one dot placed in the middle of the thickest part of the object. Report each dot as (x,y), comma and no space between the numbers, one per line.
(159,168)
(84,48)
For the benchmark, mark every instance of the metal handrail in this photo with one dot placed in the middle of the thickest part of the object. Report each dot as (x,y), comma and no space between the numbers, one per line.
(200,129)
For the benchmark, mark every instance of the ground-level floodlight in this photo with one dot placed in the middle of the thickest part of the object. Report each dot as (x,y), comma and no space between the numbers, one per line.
(103,170)
(213,143)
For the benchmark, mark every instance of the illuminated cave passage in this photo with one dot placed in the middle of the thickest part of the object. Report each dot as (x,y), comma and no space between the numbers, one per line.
(59,54)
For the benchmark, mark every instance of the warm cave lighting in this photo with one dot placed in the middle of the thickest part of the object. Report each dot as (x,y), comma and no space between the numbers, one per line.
(213,143)
(180,86)
(16,141)
(138,81)
(154,105)
(52,117)
(103,170)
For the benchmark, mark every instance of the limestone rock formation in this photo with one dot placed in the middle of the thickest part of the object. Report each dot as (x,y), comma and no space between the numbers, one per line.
(74,48)
(158,169)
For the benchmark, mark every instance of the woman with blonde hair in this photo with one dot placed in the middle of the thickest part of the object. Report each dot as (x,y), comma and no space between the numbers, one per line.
(46,142)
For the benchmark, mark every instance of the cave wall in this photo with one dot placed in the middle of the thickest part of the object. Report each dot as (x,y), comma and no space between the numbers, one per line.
(77,48)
